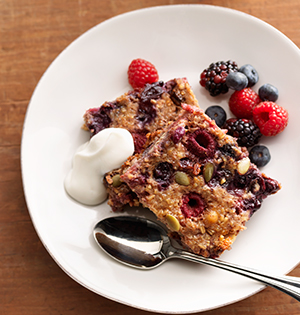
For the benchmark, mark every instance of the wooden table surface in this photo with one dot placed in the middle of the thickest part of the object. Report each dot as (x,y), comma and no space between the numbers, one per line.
(32,34)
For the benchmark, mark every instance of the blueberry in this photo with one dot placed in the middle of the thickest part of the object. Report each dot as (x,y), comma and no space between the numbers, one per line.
(163,174)
(217,113)
(250,73)
(260,155)
(268,92)
(236,81)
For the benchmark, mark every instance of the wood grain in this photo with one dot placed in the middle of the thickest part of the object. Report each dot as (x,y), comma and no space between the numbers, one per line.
(32,34)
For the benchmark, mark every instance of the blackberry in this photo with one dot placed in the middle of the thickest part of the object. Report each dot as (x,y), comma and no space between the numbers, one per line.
(245,130)
(214,77)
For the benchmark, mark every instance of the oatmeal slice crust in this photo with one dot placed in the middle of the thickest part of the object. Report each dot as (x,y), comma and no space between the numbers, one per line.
(199,183)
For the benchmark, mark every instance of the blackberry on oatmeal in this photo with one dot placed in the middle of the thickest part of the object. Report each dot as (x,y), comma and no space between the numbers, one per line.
(199,183)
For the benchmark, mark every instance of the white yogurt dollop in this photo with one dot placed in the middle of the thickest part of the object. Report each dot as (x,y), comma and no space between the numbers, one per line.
(105,151)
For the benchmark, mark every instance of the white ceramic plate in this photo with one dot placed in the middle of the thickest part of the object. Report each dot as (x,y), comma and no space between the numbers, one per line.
(181,41)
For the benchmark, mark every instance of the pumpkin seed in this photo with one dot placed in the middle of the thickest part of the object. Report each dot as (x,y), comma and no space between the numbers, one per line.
(208,171)
(116,180)
(173,223)
(182,178)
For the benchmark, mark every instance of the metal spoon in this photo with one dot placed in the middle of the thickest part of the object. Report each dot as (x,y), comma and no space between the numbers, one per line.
(144,244)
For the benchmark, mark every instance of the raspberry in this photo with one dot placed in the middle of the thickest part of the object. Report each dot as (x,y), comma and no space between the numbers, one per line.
(245,130)
(214,77)
(178,134)
(270,118)
(192,205)
(241,103)
(201,143)
(140,72)
(139,139)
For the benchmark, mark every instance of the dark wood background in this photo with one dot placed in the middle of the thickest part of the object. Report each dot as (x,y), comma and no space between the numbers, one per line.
(32,34)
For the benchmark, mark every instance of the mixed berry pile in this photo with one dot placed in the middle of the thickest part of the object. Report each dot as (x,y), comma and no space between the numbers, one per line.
(256,113)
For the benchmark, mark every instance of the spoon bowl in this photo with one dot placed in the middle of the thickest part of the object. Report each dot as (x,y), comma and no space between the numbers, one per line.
(145,244)
(132,240)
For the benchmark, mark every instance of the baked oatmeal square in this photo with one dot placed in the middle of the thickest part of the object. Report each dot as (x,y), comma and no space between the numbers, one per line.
(199,183)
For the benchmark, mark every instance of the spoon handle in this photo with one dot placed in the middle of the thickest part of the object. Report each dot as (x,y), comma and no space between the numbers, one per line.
(286,284)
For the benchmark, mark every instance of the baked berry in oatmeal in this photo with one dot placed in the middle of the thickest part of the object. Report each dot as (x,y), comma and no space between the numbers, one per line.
(144,112)
(199,183)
